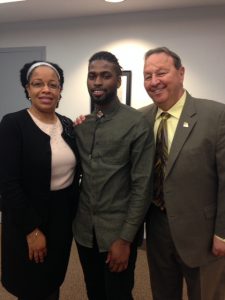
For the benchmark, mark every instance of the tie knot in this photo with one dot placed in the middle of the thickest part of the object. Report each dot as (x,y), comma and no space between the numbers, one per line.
(165,115)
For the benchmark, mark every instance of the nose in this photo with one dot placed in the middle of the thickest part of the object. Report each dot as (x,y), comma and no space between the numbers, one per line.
(98,80)
(154,79)
(46,87)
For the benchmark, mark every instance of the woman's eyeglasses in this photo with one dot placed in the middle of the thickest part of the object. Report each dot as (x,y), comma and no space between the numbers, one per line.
(41,85)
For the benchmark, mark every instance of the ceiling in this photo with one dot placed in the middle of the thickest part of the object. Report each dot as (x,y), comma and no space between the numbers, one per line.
(35,10)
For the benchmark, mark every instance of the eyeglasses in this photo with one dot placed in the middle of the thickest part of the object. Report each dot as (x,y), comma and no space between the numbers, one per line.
(41,85)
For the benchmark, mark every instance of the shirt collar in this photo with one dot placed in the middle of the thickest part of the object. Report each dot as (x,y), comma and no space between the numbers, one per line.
(176,109)
(109,110)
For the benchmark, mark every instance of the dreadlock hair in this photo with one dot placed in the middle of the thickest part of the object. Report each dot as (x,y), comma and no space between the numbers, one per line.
(108,56)
(176,58)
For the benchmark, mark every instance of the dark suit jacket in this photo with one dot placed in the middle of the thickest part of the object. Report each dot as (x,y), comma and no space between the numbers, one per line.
(194,186)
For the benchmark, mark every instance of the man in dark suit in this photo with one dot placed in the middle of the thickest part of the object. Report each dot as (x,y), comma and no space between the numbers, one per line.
(186,231)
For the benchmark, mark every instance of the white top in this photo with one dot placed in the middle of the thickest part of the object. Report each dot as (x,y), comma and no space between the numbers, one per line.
(63,158)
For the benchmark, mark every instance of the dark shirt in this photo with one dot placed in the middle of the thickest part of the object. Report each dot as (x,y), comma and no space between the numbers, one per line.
(116,153)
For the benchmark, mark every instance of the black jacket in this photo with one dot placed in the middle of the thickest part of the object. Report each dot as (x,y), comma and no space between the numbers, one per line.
(25,176)
(25,167)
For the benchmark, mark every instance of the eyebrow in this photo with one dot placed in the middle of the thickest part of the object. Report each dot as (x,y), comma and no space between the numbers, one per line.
(100,73)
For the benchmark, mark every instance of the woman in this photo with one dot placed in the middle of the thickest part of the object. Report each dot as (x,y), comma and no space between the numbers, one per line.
(39,177)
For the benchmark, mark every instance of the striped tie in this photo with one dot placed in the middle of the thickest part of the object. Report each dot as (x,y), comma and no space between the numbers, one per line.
(161,156)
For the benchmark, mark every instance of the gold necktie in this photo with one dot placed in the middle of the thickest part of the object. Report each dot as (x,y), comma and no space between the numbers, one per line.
(161,156)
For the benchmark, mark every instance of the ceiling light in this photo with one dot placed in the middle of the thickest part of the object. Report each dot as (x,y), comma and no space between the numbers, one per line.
(114,1)
(8,1)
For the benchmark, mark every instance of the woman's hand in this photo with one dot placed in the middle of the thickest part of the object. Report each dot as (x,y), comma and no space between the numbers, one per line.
(218,248)
(79,120)
(37,246)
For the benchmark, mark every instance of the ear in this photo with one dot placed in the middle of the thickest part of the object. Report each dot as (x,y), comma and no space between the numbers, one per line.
(118,81)
(182,72)
(28,89)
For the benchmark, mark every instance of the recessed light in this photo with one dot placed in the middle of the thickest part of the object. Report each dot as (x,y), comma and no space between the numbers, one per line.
(8,1)
(114,1)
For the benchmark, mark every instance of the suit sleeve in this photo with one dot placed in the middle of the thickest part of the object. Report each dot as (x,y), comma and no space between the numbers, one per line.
(220,165)
(14,200)
(141,156)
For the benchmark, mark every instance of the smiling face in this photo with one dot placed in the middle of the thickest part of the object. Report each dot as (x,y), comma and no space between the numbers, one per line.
(102,81)
(44,89)
(162,81)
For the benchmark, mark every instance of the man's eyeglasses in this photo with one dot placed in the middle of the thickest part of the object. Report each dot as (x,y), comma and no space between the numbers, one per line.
(41,85)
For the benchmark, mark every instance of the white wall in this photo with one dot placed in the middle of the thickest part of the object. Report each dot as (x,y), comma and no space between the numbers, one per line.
(197,35)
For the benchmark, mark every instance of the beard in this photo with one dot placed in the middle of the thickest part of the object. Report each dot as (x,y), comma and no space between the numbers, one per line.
(108,98)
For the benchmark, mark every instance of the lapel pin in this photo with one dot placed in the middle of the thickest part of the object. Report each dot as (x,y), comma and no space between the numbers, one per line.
(185,124)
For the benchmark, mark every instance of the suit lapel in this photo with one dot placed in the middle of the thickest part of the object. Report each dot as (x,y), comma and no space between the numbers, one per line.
(184,128)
